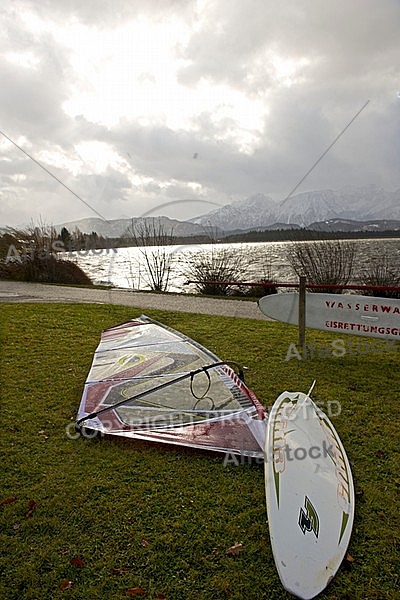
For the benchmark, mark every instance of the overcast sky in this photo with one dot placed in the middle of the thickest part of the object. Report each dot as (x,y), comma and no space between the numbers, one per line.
(138,104)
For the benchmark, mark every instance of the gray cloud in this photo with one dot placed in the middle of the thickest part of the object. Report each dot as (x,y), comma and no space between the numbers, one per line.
(350,55)
(341,40)
(105,14)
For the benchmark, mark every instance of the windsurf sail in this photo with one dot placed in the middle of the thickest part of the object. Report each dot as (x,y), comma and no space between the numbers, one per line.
(150,382)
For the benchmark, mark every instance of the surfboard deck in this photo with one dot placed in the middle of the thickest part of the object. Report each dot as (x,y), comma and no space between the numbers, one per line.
(309,495)
(348,313)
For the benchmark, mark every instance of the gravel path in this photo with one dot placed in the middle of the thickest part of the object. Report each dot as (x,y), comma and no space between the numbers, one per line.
(15,291)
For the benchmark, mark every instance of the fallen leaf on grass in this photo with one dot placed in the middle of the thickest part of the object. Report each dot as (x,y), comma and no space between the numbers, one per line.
(145,543)
(137,591)
(66,584)
(31,509)
(347,562)
(77,561)
(235,549)
(7,501)
(381,454)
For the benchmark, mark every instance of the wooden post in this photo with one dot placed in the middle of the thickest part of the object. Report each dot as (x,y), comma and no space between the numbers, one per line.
(302,311)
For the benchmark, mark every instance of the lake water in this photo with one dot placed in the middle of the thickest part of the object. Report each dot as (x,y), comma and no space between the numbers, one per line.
(126,267)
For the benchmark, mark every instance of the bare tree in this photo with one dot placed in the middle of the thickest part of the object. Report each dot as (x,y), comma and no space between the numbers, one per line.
(152,239)
(323,262)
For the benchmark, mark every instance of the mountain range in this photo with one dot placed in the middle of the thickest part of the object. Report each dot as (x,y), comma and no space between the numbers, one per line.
(261,212)
(349,209)
(119,228)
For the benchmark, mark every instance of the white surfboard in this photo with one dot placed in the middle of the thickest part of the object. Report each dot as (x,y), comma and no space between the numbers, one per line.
(347,313)
(309,493)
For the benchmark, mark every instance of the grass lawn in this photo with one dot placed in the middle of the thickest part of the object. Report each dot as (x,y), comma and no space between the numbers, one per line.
(118,518)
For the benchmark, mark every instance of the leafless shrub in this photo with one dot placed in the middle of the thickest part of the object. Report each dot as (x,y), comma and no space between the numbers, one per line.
(6,240)
(258,291)
(217,264)
(323,262)
(28,255)
(152,239)
(45,270)
(260,261)
(382,272)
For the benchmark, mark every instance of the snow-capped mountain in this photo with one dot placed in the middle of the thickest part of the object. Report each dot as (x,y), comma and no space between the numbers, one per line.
(259,211)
